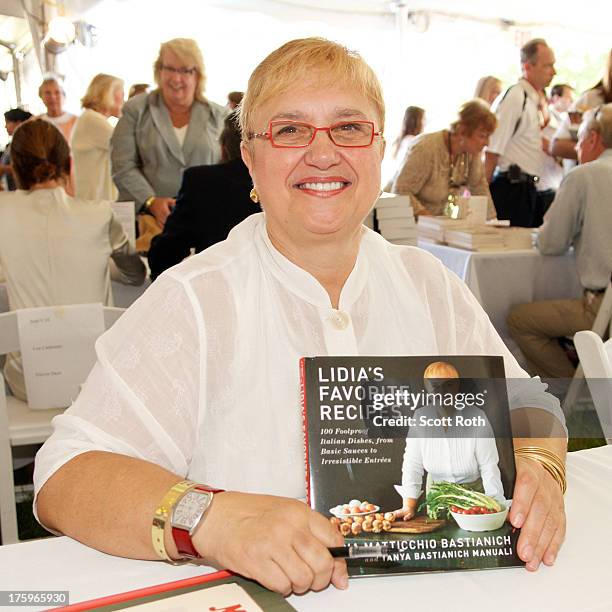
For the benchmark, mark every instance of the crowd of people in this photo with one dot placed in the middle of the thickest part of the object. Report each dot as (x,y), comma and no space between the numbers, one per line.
(202,371)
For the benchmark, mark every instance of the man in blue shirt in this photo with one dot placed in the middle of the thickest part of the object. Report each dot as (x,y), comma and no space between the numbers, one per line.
(580,216)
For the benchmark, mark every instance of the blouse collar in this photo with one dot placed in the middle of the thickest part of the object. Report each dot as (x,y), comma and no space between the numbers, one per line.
(302,283)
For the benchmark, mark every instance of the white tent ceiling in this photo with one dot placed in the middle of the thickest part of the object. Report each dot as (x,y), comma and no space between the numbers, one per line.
(588,15)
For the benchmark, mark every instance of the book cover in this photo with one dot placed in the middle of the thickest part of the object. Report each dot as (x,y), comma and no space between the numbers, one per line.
(415,454)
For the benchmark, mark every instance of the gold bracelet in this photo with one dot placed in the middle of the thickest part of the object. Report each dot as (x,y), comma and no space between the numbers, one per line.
(548,460)
(161,515)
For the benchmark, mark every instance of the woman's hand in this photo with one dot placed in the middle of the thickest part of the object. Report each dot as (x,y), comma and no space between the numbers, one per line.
(277,541)
(161,208)
(538,509)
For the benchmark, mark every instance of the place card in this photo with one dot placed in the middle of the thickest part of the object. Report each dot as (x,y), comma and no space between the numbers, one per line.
(57,351)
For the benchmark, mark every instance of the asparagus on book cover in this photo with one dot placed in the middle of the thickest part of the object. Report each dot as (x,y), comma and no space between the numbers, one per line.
(413,452)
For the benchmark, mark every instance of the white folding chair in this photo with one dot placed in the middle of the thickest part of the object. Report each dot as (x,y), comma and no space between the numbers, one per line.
(20,425)
(602,326)
(595,359)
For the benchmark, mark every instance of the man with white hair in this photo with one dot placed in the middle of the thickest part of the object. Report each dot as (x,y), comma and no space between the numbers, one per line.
(518,150)
(580,216)
(52,94)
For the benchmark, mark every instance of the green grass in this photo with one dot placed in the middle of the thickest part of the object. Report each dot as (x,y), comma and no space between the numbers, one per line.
(584,431)
(27,526)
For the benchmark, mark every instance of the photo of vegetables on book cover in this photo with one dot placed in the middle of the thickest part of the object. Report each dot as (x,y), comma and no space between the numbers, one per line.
(413,454)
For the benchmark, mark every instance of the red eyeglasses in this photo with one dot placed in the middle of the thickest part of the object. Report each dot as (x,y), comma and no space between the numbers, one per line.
(294,134)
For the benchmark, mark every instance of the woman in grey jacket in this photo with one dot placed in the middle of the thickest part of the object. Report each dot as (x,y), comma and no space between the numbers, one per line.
(163,132)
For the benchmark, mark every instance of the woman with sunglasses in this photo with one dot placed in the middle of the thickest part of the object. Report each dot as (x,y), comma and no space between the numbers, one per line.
(443,165)
(163,132)
(199,380)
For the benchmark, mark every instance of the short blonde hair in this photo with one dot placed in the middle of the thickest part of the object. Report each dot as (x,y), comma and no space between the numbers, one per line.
(440,369)
(188,52)
(485,85)
(474,115)
(298,61)
(100,95)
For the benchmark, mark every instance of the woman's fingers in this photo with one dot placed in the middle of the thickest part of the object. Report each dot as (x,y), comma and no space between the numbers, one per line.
(273,577)
(524,490)
(552,534)
(537,508)
(281,543)
(326,537)
(554,546)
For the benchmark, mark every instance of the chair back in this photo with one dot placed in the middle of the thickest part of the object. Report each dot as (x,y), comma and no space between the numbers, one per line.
(595,357)
(602,325)
(20,425)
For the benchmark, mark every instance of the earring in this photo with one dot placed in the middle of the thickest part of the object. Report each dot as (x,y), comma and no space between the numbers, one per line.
(254,196)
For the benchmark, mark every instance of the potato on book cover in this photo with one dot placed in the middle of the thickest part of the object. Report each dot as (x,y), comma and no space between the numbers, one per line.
(414,454)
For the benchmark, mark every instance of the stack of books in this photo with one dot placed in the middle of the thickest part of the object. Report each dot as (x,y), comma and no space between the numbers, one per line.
(395,218)
(433,229)
(476,238)
(517,238)
(464,235)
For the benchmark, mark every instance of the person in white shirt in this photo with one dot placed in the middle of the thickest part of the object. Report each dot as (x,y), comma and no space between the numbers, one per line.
(560,100)
(53,96)
(200,377)
(469,458)
(552,169)
(517,150)
(55,249)
(488,88)
(580,216)
(91,138)
(412,125)
(564,141)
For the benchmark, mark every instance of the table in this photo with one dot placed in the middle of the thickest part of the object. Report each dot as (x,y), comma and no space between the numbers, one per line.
(579,581)
(502,279)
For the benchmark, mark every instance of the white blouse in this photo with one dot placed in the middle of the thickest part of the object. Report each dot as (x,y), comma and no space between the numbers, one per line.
(459,455)
(91,154)
(201,375)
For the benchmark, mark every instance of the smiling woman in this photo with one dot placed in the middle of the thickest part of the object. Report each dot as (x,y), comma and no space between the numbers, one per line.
(200,378)
(162,133)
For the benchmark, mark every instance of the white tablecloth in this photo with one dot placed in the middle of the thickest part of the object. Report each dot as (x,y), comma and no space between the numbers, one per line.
(578,582)
(502,279)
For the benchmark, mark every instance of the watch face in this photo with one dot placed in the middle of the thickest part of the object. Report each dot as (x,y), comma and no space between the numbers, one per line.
(188,511)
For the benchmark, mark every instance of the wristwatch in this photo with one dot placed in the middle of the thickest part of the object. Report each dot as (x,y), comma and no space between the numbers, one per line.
(187,515)
(148,202)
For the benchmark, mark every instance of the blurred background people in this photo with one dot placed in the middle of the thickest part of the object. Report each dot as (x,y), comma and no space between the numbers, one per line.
(12,120)
(165,131)
(55,249)
(234,98)
(564,141)
(443,165)
(91,138)
(212,200)
(412,125)
(53,96)
(138,88)
(580,216)
(516,156)
(488,88)
(560,100)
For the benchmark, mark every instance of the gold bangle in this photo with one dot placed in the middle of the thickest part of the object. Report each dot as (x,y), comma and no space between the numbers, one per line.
(161,515)
(548,460)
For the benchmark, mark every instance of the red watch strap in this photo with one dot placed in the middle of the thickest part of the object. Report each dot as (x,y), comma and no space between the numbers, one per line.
(181,537)
(184,545)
